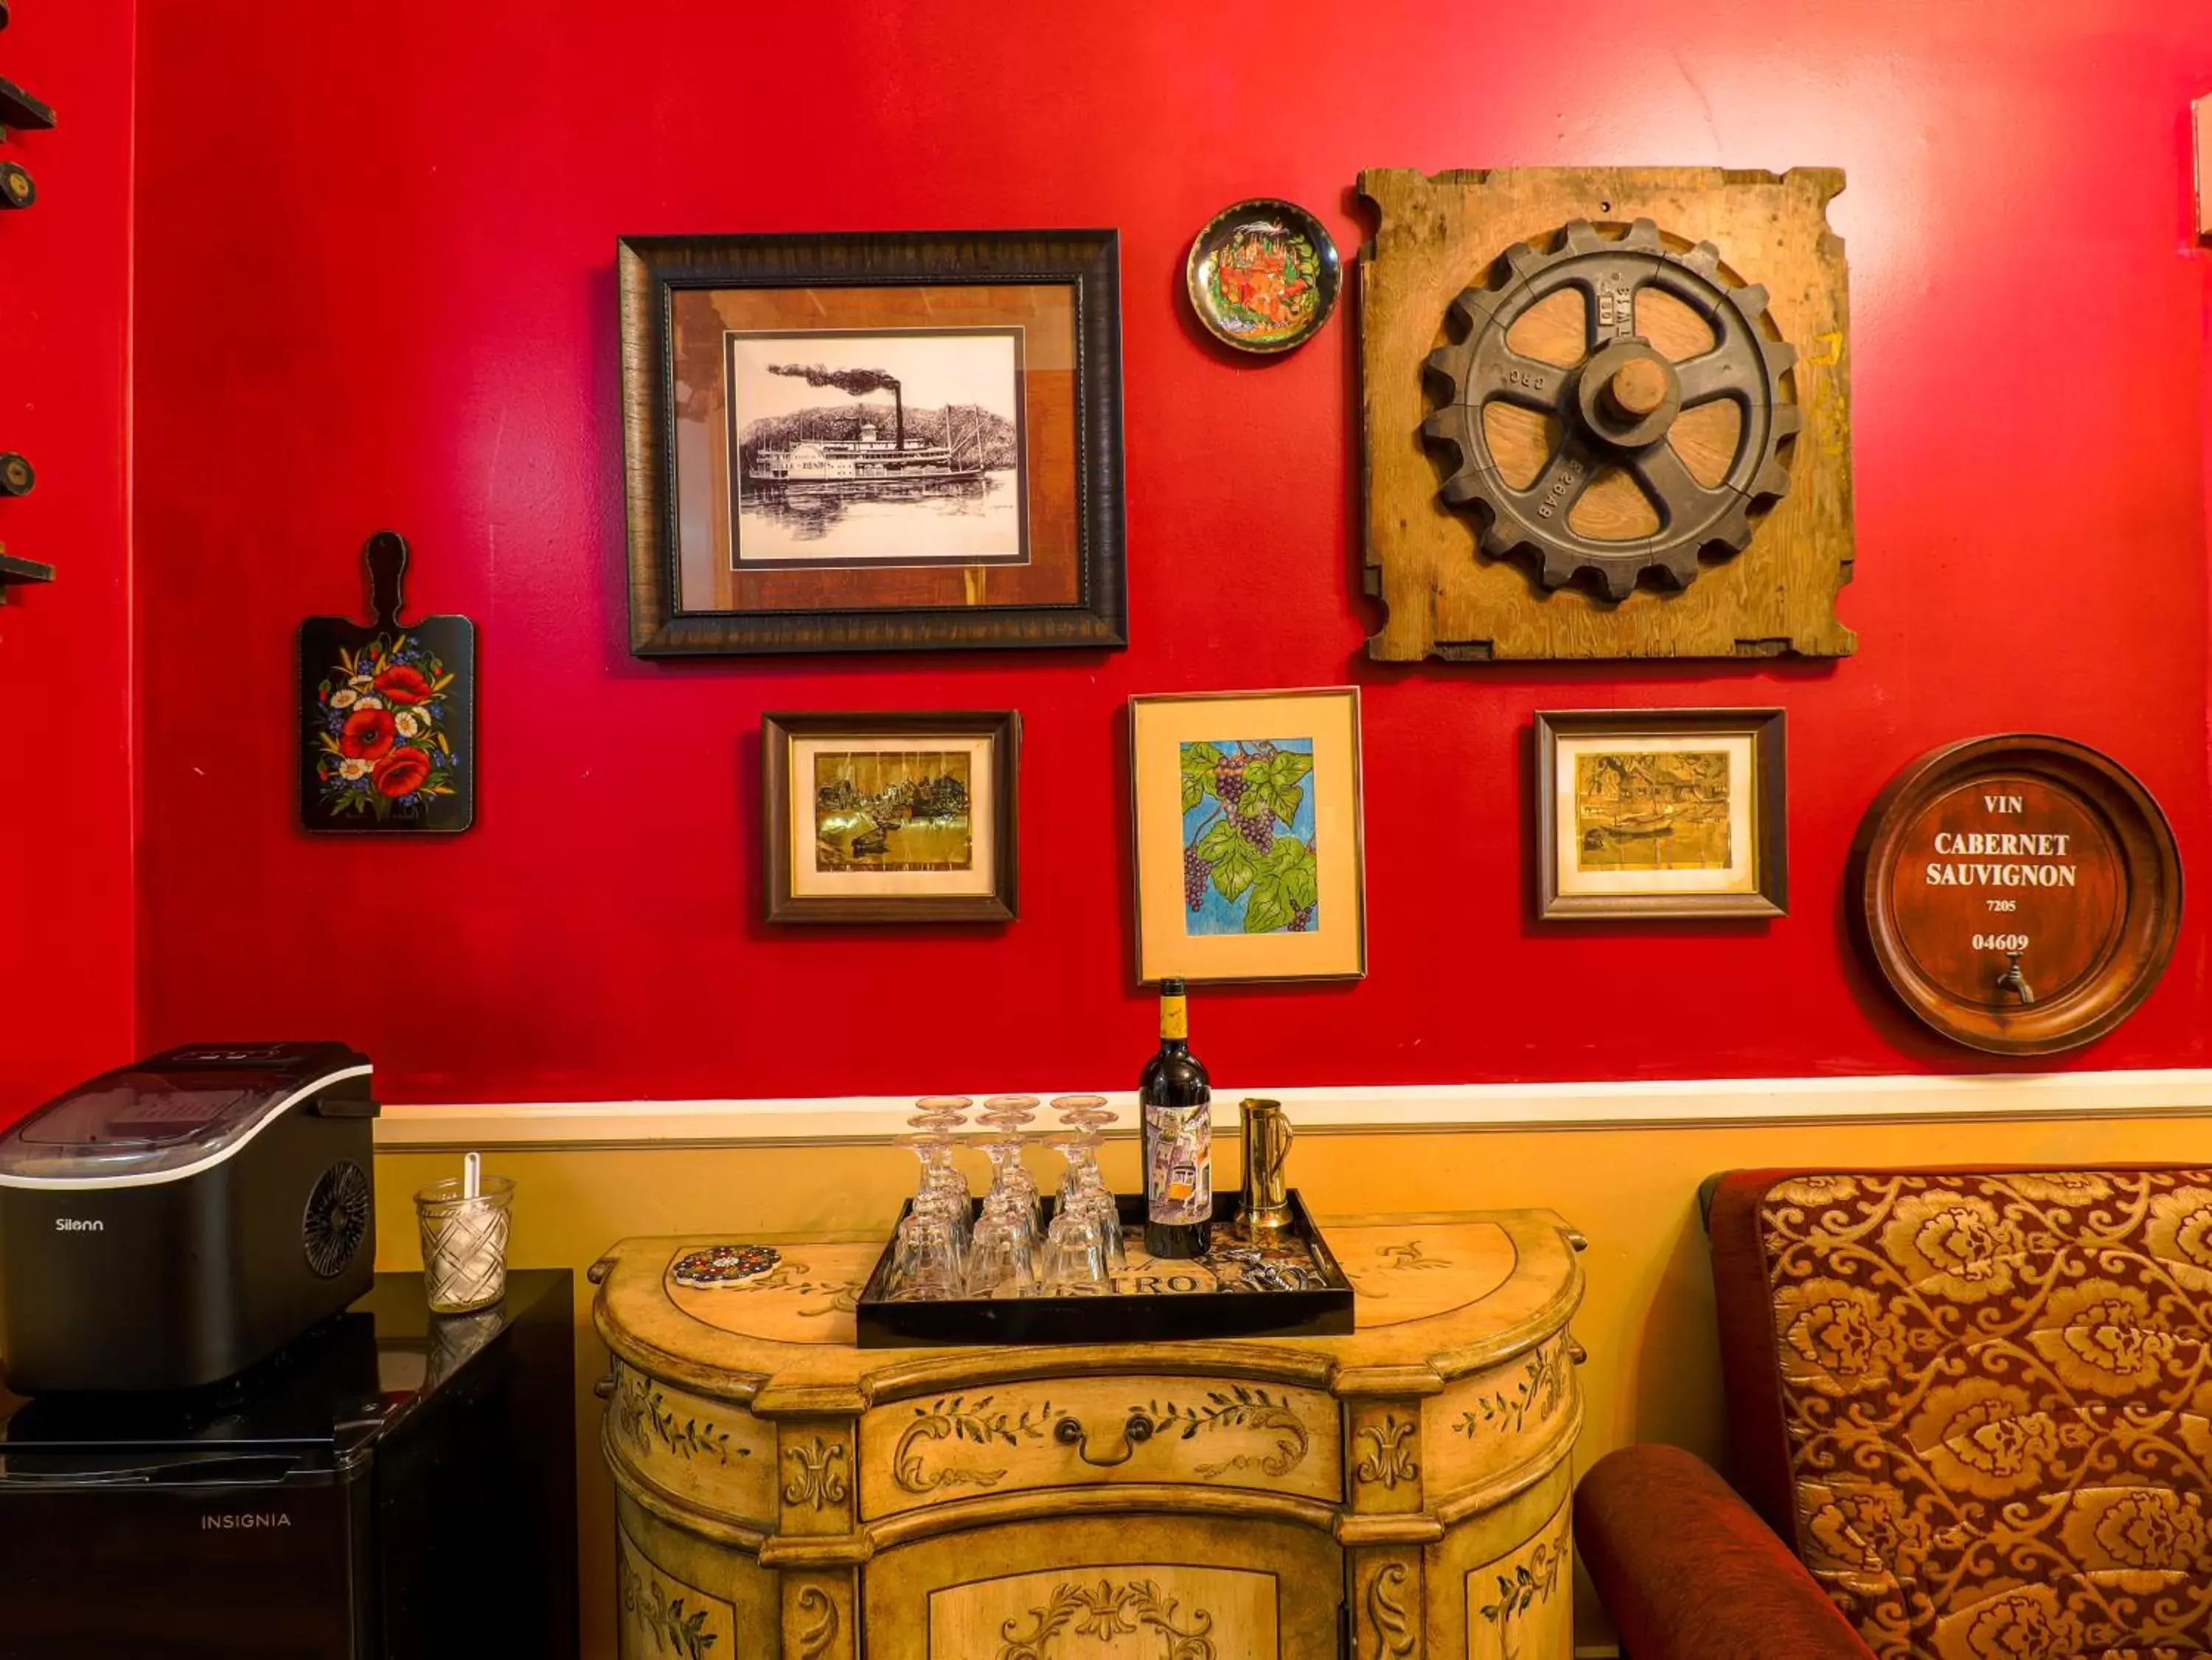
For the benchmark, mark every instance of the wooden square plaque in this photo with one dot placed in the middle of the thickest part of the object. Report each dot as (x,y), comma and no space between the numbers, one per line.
(1606,413)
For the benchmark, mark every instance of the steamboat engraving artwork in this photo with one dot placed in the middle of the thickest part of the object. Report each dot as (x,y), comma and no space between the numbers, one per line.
(857,449)
(1663,811)
(903,810)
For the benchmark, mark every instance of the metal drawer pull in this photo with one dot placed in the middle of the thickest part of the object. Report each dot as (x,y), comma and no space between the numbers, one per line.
(1576,1352)
(1071,1434)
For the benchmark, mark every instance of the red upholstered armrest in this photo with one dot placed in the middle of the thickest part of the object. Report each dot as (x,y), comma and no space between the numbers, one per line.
(1688,1571)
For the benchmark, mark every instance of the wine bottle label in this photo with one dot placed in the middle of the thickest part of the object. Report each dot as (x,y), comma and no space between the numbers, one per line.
(1175,1018)
(1181,1184)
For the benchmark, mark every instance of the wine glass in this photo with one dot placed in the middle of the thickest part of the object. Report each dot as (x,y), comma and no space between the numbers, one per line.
(925,1260)
(1076,1111)
(1010,1115)
(928,1259)
(1089,1114)
(1076,1258)
(1004,1251)
(940,1175)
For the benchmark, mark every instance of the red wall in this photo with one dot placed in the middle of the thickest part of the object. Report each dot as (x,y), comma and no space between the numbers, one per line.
(375,256)
(67,916)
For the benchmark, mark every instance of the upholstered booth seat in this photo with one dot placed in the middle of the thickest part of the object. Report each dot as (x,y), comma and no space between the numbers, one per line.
(1973,1409)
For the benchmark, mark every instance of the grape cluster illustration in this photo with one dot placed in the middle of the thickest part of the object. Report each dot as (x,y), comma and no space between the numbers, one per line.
(1197,871)
(1229,780)
(1248,857)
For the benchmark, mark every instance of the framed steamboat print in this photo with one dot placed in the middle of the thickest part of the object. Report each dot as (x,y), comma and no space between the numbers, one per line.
(1249,852)
(1661,813)
(872,442)
(900,817)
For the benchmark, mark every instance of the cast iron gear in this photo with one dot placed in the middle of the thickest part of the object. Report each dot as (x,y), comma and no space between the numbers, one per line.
(1615,407)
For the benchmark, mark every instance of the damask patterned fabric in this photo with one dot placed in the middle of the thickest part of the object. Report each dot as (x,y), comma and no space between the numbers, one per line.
(1996,1394)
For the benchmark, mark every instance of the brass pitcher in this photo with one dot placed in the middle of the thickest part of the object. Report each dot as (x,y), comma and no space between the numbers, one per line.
(1266,1144)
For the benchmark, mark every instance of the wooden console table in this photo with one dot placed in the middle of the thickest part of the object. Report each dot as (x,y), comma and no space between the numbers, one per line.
(1400,1492)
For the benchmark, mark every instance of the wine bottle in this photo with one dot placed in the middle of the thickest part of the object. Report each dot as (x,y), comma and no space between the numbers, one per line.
(1176,1097)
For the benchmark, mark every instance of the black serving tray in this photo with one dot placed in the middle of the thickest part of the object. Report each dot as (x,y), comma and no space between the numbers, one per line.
(1145,1307)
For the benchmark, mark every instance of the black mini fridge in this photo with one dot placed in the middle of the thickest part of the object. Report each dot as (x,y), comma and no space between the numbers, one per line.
(395,1486)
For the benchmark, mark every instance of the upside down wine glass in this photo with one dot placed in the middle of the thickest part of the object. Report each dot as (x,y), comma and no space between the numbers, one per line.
(1010,1115)
(1003,1256)
(1086,1186)
(928,1261)
(1075,1252)
(943,1116)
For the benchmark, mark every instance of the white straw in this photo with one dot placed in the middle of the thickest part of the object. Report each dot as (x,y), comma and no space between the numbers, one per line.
(472,1176)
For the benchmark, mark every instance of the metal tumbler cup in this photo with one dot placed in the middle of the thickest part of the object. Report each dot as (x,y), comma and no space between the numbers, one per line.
(1267,1146)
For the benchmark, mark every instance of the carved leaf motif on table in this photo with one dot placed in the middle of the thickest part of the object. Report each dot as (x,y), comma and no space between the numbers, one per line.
(1543,1382)
(1392,1461)
(818,1479)
(979,1422)
(662,1618)
(1240,1406)
(1408,1257)
(1104,1614)
(642,1416)
(1386,1612)
(1531,1582)
(817,1605)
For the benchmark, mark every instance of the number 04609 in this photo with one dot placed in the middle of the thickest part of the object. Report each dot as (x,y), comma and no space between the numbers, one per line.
(2000,941)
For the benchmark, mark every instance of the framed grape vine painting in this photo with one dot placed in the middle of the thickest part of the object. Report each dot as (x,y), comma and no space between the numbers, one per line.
(1248,839)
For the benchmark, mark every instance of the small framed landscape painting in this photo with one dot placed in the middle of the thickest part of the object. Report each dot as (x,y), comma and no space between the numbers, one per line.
(1661,813)
(1250,861)
(890,817)
(872,442)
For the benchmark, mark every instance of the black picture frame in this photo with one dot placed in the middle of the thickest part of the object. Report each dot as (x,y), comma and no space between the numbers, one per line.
(653,269)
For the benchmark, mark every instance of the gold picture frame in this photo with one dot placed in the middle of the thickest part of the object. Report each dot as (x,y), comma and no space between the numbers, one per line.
(1249,836)
(1661,813)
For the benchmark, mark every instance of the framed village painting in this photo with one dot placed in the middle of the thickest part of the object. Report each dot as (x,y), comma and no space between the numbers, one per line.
(1250,859)
(901,817)
(1661,813)
(874,442)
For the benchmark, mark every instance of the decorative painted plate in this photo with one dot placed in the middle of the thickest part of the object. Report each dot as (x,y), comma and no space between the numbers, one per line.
(1263,276)
(721,1265)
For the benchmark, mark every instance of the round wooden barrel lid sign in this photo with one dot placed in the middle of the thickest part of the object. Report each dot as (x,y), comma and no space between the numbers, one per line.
(2021,893)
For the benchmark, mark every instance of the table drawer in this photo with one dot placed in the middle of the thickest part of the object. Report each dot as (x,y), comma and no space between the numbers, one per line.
(1081,1431)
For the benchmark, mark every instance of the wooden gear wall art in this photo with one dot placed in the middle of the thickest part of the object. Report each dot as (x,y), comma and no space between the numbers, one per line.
(1606,413)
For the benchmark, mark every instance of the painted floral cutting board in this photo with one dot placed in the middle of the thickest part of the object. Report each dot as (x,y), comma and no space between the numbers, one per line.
(387,711)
